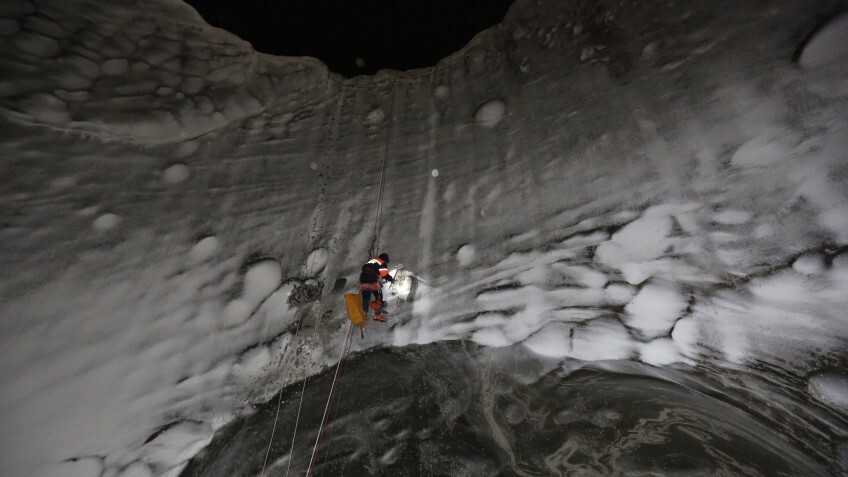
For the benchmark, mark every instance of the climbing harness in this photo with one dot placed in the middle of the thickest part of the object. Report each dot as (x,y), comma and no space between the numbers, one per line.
(353,301)
(352,305)
(355,317)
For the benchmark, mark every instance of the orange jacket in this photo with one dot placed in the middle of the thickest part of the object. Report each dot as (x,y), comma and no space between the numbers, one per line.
(381,265)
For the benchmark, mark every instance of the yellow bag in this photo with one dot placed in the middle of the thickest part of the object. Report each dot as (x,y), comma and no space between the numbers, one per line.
(353,302)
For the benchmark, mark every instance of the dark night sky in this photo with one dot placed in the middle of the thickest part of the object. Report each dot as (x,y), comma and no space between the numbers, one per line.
(396,34)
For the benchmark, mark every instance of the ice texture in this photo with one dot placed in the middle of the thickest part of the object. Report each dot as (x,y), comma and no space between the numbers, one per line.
(490,113)
(655,308)
(106,221)
(831,389)
(176,173)
(612,183)
(204,249)
(828,44)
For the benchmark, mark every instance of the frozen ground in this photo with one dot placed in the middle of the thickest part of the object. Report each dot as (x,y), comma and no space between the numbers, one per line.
(664,185)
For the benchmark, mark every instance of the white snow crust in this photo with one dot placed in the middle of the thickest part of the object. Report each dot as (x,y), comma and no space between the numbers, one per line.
(569,204)
(831,389)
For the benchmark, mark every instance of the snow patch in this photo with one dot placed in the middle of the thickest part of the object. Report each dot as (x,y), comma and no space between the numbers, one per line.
(810,264)
(253,361)
(618,293)
(667,269)
(391,456)
(685,336)
(176,173)
(186,148)
(89,211)
(261,279)
(763,150)
(602,339)
(204,249)
(585,240)
(316,261)
(106,221)
(828,44)
(655,308)
(782,287)
(732,217)
(236,312)
(490,113)
(552,340)
(640,240)
(831,389)
(534,276)
(583,275)
(660,352)
(491,319)
(465,254)
(493,337)
(522,237)
(178,443)
(839,269)
(836,220)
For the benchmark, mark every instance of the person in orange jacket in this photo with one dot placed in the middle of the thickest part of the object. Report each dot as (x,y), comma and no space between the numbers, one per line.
(371,282)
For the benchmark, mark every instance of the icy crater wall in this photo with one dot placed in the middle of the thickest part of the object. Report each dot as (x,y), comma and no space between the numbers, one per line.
(596,180)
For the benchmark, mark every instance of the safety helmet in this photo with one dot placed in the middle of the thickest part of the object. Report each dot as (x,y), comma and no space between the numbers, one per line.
(384,257)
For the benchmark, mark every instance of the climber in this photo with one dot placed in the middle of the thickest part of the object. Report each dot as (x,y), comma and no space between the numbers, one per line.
(371,281)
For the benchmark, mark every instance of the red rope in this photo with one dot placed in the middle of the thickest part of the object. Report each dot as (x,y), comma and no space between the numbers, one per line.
(371,253)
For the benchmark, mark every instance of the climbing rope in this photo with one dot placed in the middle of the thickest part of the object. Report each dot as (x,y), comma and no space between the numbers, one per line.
(294,338)
(329,404)
(371,253)
(280,400)
(296,422)
(378,215)
(346,347)
(299,404)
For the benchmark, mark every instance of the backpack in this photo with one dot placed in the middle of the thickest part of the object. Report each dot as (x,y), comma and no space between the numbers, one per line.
(370,273)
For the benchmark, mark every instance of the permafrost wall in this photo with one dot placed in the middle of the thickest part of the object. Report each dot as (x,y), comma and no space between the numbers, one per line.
(587,180)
